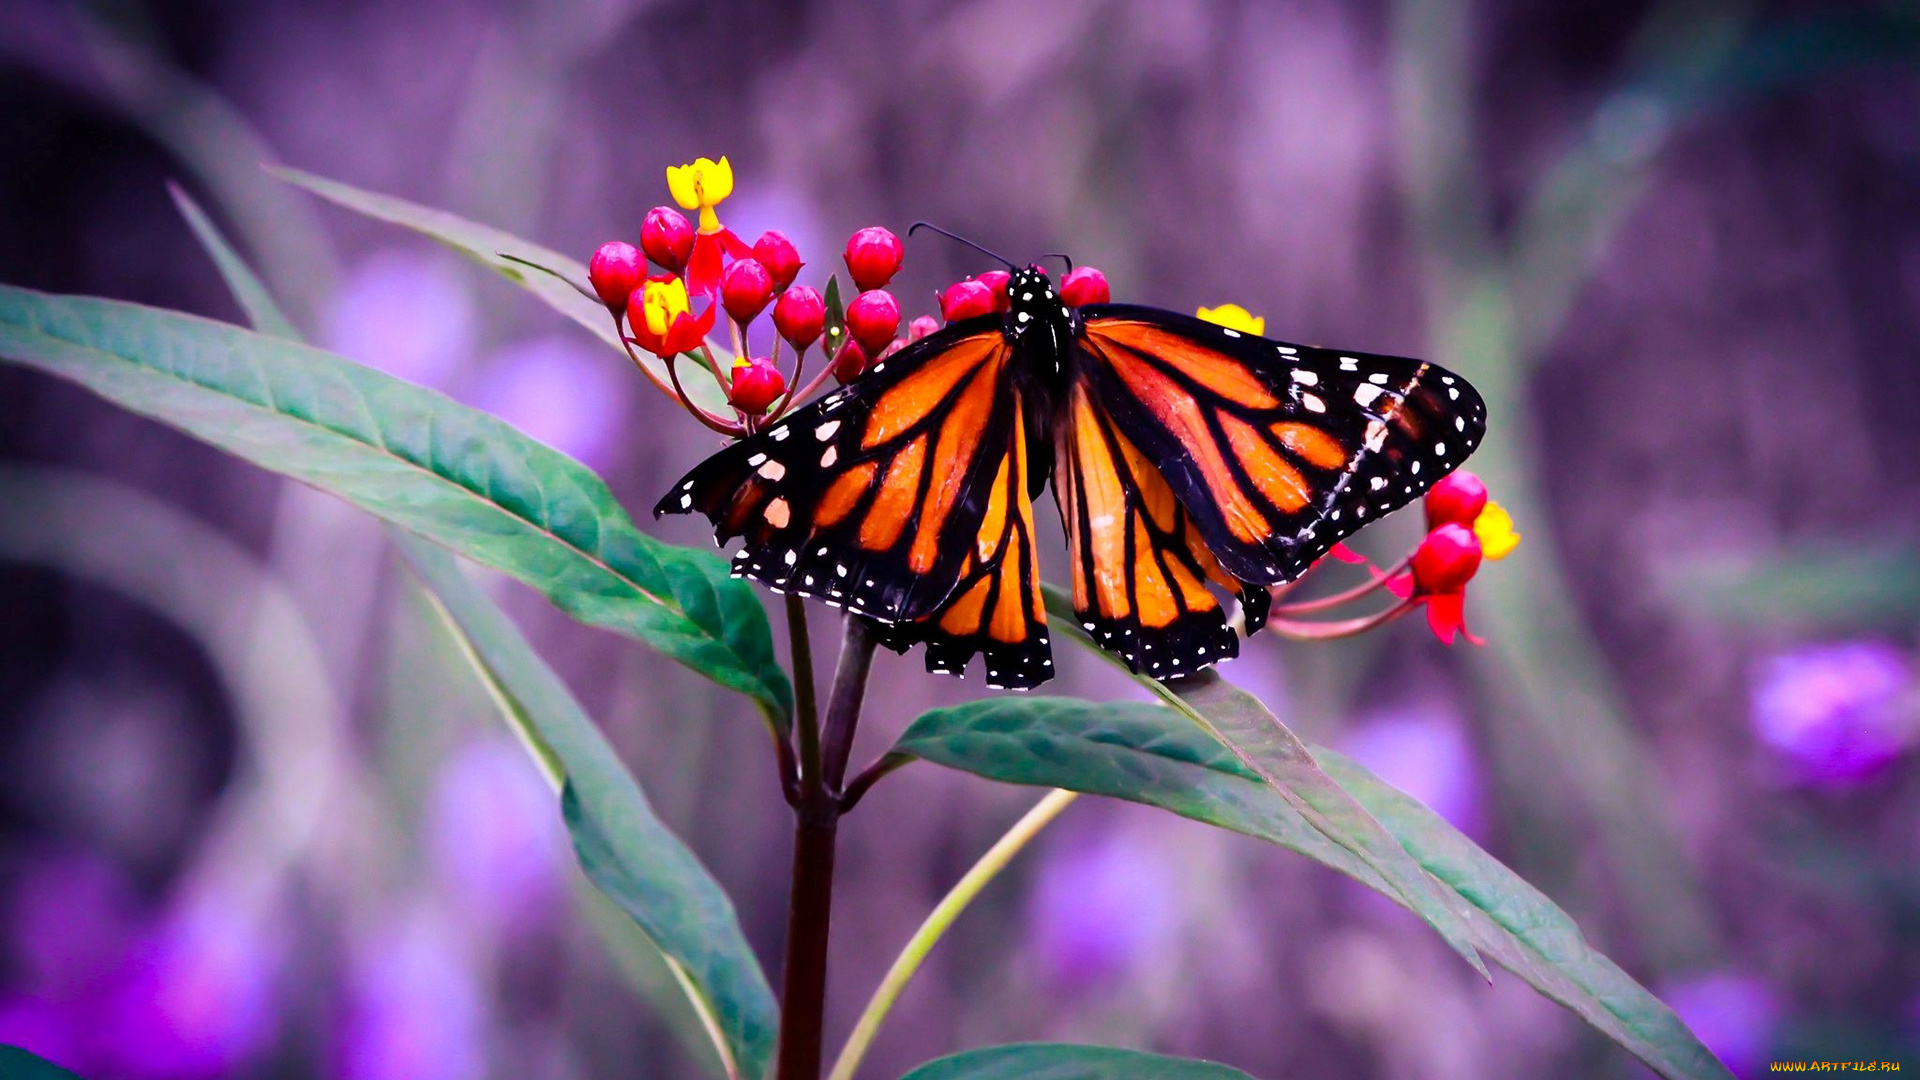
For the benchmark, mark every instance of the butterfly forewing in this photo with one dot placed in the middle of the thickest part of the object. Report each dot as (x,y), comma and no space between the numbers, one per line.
(1278,451)
(871,497)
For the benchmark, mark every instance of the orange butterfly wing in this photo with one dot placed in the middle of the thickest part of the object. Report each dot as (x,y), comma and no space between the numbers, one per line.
(996,610)
(901,497)
(1277,451)
(1140,567)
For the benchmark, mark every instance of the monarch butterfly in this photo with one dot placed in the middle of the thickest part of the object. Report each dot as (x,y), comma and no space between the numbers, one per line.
(1181,453)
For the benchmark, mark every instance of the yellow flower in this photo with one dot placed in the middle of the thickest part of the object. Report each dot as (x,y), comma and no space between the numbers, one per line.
(701,186)
(1234,317)
(663,301)
(1494,527)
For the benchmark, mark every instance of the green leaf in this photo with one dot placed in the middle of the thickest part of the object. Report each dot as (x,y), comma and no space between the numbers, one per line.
(452,474)
(1272,752)
(657,906)
(624,848)
(1832,587)
(263,313)
(17,1064)
(1146,754)
(507,255)
(836,325)
(1060,1061)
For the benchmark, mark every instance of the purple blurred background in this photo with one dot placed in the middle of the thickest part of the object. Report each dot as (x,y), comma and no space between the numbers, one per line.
(257,820)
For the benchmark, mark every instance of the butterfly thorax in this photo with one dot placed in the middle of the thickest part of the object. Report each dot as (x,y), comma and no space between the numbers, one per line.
(1040,324)
(1041,328)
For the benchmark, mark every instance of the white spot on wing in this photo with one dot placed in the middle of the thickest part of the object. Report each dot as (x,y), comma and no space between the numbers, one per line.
(825,431)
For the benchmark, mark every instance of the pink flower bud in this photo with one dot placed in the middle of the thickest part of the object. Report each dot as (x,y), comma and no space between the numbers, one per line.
(800,315)
(1084,286)
(966,299)
(872,320)
(757,384)
(849,362)
(775,252)
(873,257)
(667,237)
(616,270)
(997,281)
(1446,560)
(921,327)
(1458,498)
(745,290)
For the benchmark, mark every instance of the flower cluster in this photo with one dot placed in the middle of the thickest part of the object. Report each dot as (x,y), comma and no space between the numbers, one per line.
(652,291)
(1464,529)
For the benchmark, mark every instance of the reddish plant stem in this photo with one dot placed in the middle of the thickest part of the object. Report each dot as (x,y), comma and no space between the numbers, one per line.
(1304,607)
(1323,631)
(803,993)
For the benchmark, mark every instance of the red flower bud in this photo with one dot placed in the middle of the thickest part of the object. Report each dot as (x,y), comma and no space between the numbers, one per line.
(873,257)
(616,270)
(1458,498)
(1446,560)
(757,384)
(849,362)
(777,253)
(966,299)
(800,315)
(745,290)
(1084,286)
(667,237)
(872,320)
(921,327)
(997,281)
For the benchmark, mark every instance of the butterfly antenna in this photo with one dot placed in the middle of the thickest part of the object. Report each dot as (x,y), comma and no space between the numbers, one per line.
(918,225)
(1062,256)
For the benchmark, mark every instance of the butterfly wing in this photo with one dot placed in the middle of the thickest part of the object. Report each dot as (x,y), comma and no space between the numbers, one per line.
(1277,451)
(874,496)
(996,609)
(1140,566)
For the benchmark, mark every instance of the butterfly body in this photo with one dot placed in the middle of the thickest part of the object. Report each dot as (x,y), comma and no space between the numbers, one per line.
(1182,455)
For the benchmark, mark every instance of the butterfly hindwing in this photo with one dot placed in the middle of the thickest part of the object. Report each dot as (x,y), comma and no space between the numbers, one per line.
(996,610)
(1278,451)
(1140,567)
(873,496)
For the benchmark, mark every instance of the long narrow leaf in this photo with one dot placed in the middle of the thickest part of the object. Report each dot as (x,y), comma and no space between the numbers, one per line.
(680,919)
(623,847)
(452,474)
(17,1064)
(490,247)
(1147,754)
(1272,752)
(262,311)
(1060,1061)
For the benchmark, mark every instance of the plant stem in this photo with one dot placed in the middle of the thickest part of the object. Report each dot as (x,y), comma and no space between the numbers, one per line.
(803,991)
(936,924)
(1307,607)
(806,710)
(849,690)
